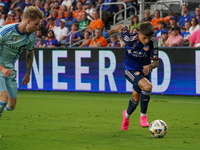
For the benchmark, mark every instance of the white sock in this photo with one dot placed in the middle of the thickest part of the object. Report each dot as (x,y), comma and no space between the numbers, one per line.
(127,115)
(143,114)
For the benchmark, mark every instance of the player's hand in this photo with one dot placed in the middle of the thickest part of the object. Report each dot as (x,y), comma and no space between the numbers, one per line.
(26,79)
(6,72)
(146,69)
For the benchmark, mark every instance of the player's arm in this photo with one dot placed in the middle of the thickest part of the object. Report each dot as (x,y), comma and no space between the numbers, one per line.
(148,68)
(127,37)
(29,62)
(154,58)
(116,29)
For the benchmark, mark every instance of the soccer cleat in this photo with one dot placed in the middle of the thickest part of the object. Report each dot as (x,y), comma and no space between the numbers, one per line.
(125,122)
(144,121)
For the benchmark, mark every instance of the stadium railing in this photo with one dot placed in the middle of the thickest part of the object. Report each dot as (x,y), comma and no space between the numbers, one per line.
(123,10)
(78,42)
(113,3)
(169,2)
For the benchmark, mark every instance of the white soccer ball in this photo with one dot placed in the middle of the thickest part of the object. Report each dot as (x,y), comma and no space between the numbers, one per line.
(158,128)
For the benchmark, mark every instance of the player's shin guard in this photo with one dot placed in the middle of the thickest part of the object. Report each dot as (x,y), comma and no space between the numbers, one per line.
(2,106)
(144,100)
(8,108)
(131,107)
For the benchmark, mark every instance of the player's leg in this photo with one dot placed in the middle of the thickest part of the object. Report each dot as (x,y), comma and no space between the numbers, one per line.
(133,77)
(11,85)
(146,87)
(3,94)
(11,104)
(133,103)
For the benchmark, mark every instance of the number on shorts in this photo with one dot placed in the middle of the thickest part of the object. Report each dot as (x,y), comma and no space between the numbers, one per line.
(14,77)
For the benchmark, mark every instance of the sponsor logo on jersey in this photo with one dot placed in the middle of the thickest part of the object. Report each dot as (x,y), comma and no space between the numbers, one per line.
(129,51)
(10,46)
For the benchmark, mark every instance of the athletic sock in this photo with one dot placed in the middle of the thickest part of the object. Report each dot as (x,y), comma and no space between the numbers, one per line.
(2,106)
(144,100)
(141,115)
(8,108)
(131,107)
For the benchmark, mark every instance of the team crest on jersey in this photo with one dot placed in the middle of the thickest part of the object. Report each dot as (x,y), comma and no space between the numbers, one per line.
(14,38)
(146,48)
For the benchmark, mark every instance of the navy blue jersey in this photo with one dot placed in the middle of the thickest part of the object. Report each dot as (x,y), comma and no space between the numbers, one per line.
(138,55)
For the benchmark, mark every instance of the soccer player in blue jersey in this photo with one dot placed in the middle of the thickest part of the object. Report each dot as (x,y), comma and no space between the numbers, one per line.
(13,39)
(141,56)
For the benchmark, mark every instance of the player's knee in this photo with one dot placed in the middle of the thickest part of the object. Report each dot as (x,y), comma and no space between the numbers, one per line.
(148,87)
(135,98)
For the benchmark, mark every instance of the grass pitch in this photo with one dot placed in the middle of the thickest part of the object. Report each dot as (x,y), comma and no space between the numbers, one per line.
(92,121)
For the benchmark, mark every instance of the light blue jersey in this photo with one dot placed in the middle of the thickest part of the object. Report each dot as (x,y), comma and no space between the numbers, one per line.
(12,43)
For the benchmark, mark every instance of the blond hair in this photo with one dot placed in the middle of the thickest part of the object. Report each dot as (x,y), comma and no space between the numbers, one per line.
(32,12)
(147,11)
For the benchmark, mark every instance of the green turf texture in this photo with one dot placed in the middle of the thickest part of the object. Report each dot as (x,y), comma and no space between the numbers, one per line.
(92,121)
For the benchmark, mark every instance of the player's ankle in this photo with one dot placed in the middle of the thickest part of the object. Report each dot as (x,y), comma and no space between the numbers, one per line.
(141,115)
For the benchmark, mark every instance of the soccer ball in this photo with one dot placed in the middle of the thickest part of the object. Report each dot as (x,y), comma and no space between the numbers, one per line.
(158,128)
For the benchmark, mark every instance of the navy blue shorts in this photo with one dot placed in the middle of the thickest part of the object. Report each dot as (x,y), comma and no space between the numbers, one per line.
(134,77)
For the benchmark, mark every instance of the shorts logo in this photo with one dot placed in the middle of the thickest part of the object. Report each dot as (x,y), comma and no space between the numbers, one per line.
(136,73)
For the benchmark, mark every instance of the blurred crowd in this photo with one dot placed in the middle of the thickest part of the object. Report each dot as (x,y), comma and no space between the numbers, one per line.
(78,23)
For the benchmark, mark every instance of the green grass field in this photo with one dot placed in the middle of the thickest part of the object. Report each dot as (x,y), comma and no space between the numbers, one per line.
(92,121)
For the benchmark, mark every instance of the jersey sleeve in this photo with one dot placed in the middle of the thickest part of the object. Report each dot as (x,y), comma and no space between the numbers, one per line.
(127,37)
(30,46)
(154,50)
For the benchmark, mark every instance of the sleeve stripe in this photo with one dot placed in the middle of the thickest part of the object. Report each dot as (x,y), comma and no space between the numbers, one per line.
(155,43)
(154,58)
(6,30)
(123,29)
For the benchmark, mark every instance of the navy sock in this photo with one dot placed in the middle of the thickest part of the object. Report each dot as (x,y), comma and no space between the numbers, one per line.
(131,107)
(144,100)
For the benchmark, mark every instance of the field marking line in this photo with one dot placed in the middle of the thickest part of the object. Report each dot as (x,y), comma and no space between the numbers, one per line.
(119,99)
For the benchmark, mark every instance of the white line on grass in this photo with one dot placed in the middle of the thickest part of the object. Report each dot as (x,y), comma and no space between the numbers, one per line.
(119,99)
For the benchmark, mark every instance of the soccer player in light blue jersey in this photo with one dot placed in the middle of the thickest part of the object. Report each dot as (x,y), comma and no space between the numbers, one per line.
(13,39)
(141,56)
